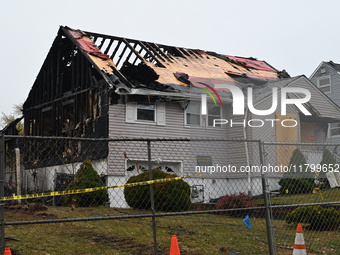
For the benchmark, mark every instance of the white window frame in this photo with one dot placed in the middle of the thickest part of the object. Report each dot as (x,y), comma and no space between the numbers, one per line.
(324,86)
(204,123)
(207,117)
(186,116)
(131,114)
(330,129)
(154,112)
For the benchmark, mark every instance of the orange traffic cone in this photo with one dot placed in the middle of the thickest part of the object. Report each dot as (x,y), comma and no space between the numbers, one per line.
(299,244)
(7,251)
(174,247)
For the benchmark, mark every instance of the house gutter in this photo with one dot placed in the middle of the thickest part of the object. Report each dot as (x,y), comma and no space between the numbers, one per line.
(149,92)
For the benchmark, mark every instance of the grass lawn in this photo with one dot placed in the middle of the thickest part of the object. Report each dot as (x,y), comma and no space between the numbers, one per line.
(197,234)
(331,195)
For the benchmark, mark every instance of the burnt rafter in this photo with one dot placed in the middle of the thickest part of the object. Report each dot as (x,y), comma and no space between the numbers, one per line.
(68,32)
(122,49)
(70,95)
(166,60)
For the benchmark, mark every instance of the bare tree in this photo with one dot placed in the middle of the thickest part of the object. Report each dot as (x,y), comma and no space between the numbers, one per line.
(6,119)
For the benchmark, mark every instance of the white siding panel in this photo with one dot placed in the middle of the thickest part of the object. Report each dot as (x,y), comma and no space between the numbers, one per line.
(222,153)
(318,100)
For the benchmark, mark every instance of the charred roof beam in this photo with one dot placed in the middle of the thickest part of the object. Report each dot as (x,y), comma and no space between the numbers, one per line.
(102,43)
(106,78)
(133,50)
(109,46)
(152,54)
(115,50)
(121,55)
(159,49)
(127,41)
(154,51)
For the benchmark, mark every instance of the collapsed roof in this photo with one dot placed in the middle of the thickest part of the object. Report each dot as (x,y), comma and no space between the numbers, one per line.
(141,64)
(79,60)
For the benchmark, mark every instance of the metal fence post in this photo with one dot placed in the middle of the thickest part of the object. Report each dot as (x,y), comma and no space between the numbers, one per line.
(2,192)
(152,200)
(269,224)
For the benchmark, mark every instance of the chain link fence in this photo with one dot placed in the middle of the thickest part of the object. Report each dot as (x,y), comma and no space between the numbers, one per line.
(235,197)
(309,193)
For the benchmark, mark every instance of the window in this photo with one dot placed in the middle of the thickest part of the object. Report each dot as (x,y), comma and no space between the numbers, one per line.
(146,112)
(47,121)
(165,168)
(334,129)
(135,167)
(68,118)
(324,84)
(193,114)
(214,112)
(194,117)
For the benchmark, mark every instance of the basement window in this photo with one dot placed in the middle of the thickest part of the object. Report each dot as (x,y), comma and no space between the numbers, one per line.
(135,167)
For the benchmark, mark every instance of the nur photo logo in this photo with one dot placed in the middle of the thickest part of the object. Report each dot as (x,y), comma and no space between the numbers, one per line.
(239,101)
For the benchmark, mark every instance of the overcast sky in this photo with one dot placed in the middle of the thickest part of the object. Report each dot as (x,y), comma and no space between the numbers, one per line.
(291,35)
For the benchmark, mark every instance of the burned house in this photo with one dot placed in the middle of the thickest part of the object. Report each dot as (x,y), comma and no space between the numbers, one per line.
(100,86)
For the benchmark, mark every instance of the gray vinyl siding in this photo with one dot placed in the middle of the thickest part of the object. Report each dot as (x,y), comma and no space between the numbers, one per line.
(335,81)
(174,127)
(185,153)
(335,89)
(335,140)
(223,153)
(319,100)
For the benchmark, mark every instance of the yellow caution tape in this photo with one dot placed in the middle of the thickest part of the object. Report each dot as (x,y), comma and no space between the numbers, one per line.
(200,175)
(315,190)
(78,191)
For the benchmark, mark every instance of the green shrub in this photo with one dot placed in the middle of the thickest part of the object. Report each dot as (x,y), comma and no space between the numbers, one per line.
(317,217)
(86,177)
(296,186)
(297,180)
(169,196)
(298,166)
(328,159)
(235,201)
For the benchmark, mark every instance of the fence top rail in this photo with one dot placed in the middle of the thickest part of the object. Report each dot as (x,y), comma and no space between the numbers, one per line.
(122,139)
(302,144)
(162,139)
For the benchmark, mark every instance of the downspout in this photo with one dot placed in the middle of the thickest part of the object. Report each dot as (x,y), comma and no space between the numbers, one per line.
(247,153)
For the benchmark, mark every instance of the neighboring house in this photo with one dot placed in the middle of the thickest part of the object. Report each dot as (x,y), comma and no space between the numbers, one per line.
(99,86)
(327,78)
